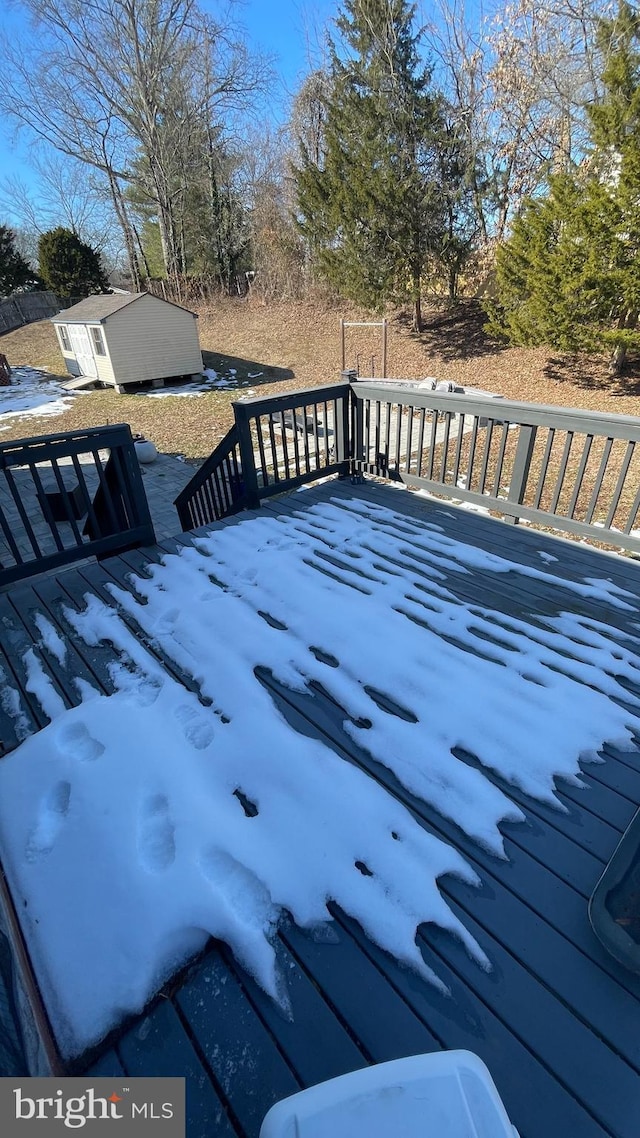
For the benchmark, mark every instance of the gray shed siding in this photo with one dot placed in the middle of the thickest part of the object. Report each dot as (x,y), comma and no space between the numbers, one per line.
(151,339)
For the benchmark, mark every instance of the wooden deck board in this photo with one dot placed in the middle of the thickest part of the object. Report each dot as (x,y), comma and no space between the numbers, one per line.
(556,1018)
(235,1043)
(529,597)
(159,1045)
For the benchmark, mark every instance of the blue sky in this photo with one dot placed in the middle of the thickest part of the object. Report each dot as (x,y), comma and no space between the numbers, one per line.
(287,29)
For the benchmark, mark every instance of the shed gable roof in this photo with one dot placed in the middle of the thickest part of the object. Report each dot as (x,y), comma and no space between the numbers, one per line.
(97,309)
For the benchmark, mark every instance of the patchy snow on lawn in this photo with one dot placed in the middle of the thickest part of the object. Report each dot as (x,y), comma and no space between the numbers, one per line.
(32,392)
(211,381)
(134,826)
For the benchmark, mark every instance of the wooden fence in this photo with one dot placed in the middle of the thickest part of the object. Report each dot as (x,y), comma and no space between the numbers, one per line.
(26,308)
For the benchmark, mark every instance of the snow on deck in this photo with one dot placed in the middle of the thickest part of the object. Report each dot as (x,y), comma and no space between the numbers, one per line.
(136,825)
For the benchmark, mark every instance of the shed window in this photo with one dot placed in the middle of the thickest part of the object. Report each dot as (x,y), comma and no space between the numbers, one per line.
(98,342)
(64,337)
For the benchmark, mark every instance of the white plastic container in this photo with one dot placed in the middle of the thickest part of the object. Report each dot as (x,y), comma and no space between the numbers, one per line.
(447,1094)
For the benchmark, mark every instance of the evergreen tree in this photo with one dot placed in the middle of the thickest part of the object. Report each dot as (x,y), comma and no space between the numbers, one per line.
(15,272)
(570,274)
(68,266)
(370,208)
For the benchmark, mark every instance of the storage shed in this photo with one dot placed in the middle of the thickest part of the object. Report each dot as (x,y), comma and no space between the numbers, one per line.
(124,338)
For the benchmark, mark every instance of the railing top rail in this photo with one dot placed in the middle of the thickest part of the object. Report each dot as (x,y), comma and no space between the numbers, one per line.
(534,414)
(263,404)
(72,441)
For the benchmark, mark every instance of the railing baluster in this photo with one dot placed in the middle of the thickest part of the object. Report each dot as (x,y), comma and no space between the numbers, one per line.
(207,510)
(566,451)
(13,489)
(316,436)
(398,433)
(445,446)
(433,442)
(485,457)
(10,540)
(604,462)
(125,498)
(387,438)
(377,436)
(263,460)
(633,513)
(458,456)
(626,462)
(218,492)
(500,460)
(305,440)
(409,440)
(367,433)
(586,450)
(420,440)
(296,450)
(546,458)
(62,489)
(472,452)
(107,500)
(87,499)
(228,486)
(198,511)
(274,452)
(285,445)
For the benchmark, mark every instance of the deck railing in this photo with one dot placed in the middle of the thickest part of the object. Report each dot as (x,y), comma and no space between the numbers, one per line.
(69,496)
(562,468)
(216,490)
(287,440)
(275,444)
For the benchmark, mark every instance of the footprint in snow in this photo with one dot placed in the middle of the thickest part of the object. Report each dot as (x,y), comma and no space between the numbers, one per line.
(74,739)
(167,622)
(196,730)
(156,835)
(52,812)
(147,692)
(242,888)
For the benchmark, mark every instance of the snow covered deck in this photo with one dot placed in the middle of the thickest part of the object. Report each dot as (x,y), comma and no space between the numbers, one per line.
(388,692)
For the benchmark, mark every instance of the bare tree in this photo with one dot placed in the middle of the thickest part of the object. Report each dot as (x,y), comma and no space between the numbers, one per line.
(65,194)
(111,82)
(518,80)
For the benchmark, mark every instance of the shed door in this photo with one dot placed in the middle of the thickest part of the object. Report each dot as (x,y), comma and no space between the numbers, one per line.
(82,350)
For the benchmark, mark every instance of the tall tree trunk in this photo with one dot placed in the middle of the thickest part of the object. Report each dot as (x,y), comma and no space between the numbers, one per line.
(617,360)
(166,222)
(417,311)
(125,224)
(143,255)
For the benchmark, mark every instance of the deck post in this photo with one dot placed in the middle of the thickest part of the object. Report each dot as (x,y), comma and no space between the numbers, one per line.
(521,467)
(247,457)
(356,425)
(342,427)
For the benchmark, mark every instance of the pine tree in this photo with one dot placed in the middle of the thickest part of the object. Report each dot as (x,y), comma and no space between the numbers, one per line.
(68,266)
(15,272)
(570,274)
(370,209)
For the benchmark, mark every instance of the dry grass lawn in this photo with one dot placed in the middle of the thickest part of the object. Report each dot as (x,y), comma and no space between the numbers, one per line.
(298,345)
